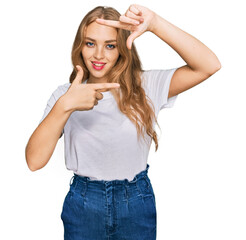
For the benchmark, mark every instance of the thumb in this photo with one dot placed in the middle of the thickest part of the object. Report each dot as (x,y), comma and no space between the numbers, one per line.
(79,76)
(131,38)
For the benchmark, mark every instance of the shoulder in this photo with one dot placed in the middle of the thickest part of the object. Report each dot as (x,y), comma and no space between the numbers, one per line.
(157,76)
(149,76)
(64,87)
(157,80)
(60,90)
(155,73)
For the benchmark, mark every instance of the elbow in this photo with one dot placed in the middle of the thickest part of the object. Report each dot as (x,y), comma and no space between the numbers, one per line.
(30,165)
(35,159)
(217,64)
(33,164)
(214,70)
(29,161)
(32,169)
(217,67)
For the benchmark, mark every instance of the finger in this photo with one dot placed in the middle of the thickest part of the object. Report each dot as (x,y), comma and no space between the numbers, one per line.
(103,87)
(79,76)
(111,23)
(96,102)
(99,96)
(131,38)
(128,20)
(135,10)
(134,16)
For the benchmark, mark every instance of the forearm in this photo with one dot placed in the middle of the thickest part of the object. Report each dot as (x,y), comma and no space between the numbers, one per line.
(43,141)
(197,56)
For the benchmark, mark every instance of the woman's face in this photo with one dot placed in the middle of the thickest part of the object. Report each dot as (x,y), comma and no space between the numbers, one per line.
(99,48)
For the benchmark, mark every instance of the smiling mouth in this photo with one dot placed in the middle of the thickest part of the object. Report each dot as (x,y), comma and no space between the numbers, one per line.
(98,66)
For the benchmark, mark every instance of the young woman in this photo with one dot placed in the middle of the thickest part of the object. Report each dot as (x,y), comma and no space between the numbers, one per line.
(107,113)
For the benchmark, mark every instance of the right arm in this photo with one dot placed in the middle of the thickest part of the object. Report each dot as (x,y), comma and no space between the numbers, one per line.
(79,97)
(42,142)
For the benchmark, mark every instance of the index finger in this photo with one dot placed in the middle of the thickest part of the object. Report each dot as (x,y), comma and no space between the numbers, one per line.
(103,87)
(111,23)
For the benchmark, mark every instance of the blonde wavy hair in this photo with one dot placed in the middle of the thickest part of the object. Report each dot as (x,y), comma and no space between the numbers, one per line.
(130,97)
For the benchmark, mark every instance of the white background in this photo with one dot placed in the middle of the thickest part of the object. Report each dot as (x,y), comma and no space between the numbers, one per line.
(198,173)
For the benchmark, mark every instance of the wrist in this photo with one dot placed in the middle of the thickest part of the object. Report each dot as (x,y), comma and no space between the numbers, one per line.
(64,104)
(153,22)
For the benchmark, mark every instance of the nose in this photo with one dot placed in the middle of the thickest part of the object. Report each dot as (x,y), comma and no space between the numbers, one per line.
(99,52)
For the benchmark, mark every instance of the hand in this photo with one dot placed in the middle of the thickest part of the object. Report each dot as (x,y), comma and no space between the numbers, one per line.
(84,96)
(137,19)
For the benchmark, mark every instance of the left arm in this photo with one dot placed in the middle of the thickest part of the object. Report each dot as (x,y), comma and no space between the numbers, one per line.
(201,61)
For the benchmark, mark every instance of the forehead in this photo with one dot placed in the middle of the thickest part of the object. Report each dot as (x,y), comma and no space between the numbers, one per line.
(98,31)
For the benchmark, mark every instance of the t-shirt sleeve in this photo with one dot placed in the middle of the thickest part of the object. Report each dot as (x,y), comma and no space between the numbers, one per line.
(51,102)
(156,84)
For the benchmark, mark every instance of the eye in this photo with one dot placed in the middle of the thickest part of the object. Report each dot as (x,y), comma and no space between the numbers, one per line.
(111,46)
(88,44)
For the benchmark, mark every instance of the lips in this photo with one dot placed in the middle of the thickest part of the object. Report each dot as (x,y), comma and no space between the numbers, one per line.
(98,65)
(98,62)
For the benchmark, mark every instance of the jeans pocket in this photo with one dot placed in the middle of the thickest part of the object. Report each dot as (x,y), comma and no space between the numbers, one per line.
(150,186)
(66,203)
(144,187)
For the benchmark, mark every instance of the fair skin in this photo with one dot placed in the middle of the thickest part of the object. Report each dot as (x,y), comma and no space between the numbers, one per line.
(201,64)
(79,97)
(100,45)
(201,61)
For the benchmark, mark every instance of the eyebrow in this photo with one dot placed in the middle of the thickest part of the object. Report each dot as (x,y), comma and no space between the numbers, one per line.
(108,41)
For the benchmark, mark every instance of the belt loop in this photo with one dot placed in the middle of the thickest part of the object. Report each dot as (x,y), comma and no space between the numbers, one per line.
(71,180)
(134,179)
(126,191)
(147,168)
(146,180)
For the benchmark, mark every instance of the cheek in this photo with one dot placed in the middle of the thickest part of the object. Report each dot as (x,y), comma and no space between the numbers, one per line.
(113,56)
(85,53)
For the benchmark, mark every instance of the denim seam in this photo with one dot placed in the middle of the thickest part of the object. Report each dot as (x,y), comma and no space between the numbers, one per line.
(139,189)
(84,189)
(147,181)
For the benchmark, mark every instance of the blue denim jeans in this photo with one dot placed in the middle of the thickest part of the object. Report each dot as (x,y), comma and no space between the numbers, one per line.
(110,210)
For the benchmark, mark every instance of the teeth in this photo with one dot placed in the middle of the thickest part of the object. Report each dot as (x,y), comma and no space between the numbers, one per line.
(97,64)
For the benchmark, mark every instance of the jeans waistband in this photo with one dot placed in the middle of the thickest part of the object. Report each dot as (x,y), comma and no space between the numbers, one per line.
(85,179)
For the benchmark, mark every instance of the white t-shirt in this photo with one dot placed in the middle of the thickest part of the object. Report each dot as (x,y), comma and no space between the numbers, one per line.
(102,143)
